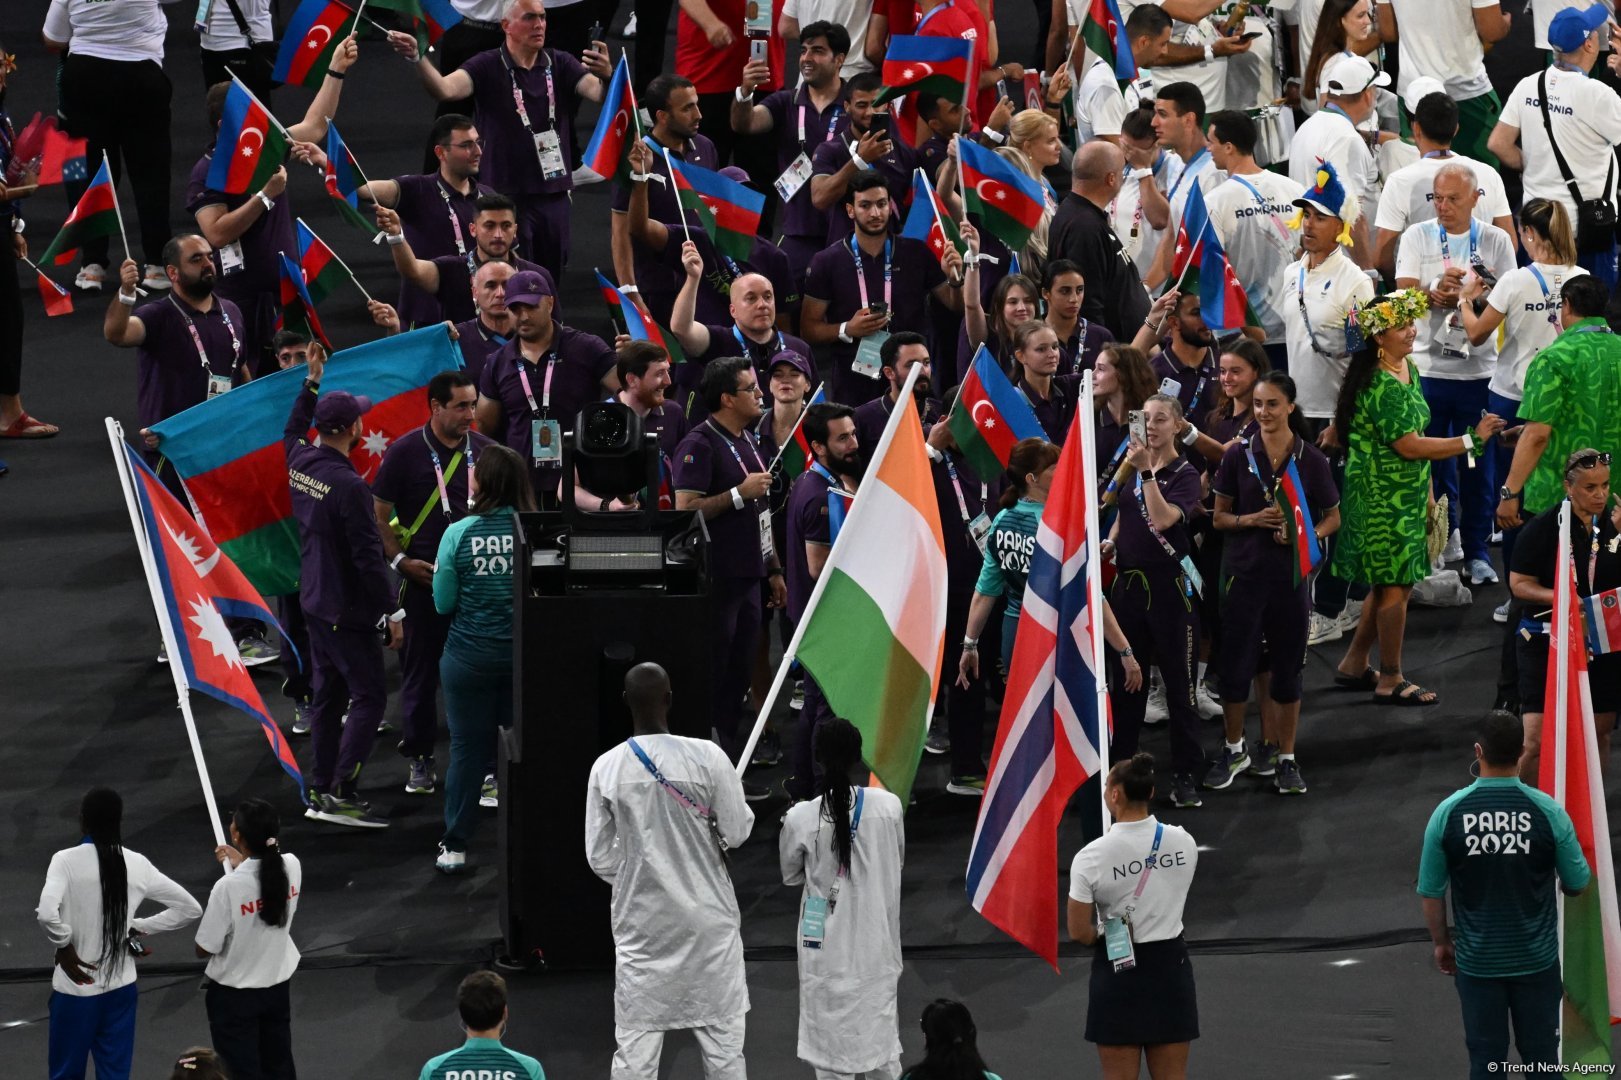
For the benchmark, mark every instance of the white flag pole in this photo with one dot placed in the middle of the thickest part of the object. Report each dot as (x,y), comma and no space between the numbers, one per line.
(1560,633)
(1094,588)
(115,435)
(795,429)
(669,168)
(826,575)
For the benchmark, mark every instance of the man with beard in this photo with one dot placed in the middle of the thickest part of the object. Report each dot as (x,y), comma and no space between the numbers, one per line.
(449,278)
(1184,360)
(851,313)
(862,143)
(644,374)
(424,483)
(535,385)
(837,449)
(433,206)
(900,353)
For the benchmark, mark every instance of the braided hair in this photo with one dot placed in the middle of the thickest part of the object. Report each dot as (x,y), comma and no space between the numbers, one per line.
(838,752)
(102,815)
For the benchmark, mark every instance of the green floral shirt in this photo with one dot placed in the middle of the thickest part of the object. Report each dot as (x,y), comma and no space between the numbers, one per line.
(1574,387)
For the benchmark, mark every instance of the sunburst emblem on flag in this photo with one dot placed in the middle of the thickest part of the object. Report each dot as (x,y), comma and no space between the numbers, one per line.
(211,628)
(193,551)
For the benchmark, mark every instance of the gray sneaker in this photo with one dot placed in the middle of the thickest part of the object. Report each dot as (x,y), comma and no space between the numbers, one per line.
(1289,780)
(422,779)
(1228,764)
(1264,762)
(489,795)
(256,650)
(303,717)
(350,812)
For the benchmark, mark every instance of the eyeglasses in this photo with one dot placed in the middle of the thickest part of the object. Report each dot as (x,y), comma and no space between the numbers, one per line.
(465,144)
(1586,459)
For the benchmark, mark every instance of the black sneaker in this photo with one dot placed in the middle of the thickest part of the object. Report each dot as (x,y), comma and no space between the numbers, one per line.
(422,779)
(352,813)
(768,751)
(1264,762)
(1289,780)
(1227,764)
(938,742)
(1185,793)
(753,792)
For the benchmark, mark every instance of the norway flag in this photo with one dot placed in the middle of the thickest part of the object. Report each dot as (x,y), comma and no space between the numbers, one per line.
(201,588)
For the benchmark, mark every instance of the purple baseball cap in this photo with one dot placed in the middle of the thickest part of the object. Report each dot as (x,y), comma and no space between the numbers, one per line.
(792,359)
(527,287)
(339,409)
(732,172)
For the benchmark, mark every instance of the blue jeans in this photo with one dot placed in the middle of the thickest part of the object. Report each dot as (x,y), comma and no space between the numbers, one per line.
(101,1026)
(1502,459)
(1601,264)
(1455,407)
(478,701)
(1531,1001)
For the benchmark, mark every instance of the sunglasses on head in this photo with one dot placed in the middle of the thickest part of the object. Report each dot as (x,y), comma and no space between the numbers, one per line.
(1586,460)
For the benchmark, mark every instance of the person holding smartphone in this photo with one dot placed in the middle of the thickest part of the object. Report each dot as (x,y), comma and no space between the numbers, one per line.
(862,142)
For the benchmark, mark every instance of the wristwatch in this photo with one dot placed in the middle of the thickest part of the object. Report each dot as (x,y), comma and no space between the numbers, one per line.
(1147,474)
(1506,493)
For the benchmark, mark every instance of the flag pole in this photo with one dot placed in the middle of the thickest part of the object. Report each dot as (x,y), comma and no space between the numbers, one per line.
(341,263)
(823,578)
(1094,591)
(795,429)
(115,436)
(1180,278)
(685,228)
(1560,654)
(34,266)
(117,213)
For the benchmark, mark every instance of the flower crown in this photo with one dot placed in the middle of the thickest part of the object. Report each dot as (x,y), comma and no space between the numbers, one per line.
(1384,312)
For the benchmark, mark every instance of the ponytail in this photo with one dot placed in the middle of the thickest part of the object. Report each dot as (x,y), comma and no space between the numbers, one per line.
(838,751)
(102,816)
(1549,219)
(258,823)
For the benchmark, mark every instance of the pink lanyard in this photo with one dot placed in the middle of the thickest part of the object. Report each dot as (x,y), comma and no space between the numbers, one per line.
(455,221)
(544,406)
(517,94)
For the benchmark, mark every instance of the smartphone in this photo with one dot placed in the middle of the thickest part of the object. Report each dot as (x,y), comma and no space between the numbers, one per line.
(757,48)
(1250,36)
(595,33)
(878,124)
(878,307)
(1137,426)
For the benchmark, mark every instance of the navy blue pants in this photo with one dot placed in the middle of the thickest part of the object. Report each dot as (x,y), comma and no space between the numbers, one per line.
(1601,264)
(100,1026)
(425,632)
(252,1030)
(734,613)
(478,703)
(965,709)
(348,668)
(1161,623)
(1455,407)
(1530,1001)
(1267,619)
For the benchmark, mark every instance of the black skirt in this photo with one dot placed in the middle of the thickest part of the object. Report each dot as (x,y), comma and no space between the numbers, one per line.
(1149,1004)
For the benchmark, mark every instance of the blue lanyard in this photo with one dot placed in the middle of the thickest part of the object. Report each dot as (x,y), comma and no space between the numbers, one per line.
(681,797)
(1547,294)
(921,23)
(1114,463)
(1186,171)
(1266,492)
(1333,108)
(820,470)
(745,346)
(1446,242)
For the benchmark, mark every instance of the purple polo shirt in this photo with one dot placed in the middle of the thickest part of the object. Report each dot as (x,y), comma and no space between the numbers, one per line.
(270,234)
(872,417)
(1252,554)
(477,343)
(669,424)
(1080,352)
(1224,427)
(1002,354)
(407,479)
(714,301)
(1057,409)
(169,370)
(1135,545)
(1196,387)
(455,293)
(710,461)
(914,274)
(808,523)
(765,433)
(1107,438)
(895,167)
(724,342)
(658,284)
(953,476)
(510,164)
(788,108)
(932,153)
(577,362)
(434,216)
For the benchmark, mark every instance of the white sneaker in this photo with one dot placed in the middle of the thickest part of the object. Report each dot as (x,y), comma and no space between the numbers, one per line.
(1501,612)
(153,277)
(1208,705)
(1481,573)
(1323,629)
(1158,711)
(629,32)
(450,862)
(90,277)
(584,177)
(1454,549)
(1349,618)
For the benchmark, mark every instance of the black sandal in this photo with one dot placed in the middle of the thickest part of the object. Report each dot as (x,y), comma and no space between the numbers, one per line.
(1368,680)
(1401,697)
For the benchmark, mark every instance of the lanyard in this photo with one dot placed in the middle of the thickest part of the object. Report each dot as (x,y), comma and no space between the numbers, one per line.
(1165,545)
(517,94)
(832,122)
(197,339)
(1187,171)
(1267,493)
(730,445)
(1592,556)
(921,23)
(1446,245)
(703,812)
(1311,335)
(1075,347)
(1148,864)
(455,221)
(1548,303)
(1280,230)
(490,335)
(855,823)
(1114,464)
(956,485)
(543,408)
(749,347)
(861,274)
(439,473)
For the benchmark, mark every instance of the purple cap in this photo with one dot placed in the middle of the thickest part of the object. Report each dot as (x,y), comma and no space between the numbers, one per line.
(339,409)
(732,172)
(527,287)
(792,359)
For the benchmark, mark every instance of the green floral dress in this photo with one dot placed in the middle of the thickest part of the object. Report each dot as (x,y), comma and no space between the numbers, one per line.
(1386,497)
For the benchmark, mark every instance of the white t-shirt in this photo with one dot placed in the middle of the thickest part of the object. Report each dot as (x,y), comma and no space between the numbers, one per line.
(125,30)
(1330,136)
(1409,195)
(1106,872)
(1201,170)
(1442,350)
(220,32)
(1438,39)
(1101,106)
(850,14)
(1530,308)
(1210,76)
(249,953)
(1250,215)
(1331,290)
(1586,118)
(1138,238)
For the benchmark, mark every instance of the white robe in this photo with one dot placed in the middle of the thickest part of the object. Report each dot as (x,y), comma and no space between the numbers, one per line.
(678,953)
(847,988)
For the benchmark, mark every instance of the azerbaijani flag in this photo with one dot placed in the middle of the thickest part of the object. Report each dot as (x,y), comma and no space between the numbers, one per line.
(928,219)
(323,271)
(1007,203)
(638,326)
(1104,32)
(1200,261)
(931,65)
(343,180)
(608,152)
(1298,526)
(1602,612)
(96,215)
(795,456)
(297,309)
(730,211)
(429,19)
(250,145)
(990,417)
(838,508)
(311,38)
(1590,937)
(872,631)
(228,450)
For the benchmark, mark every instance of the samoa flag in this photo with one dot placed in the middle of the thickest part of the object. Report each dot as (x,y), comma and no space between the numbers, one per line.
(1602,613)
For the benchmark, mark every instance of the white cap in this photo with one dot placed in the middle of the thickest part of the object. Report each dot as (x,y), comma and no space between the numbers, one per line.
(1348,73)
(1419,89)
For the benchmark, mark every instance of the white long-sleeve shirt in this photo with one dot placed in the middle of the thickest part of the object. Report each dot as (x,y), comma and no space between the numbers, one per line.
(70,912)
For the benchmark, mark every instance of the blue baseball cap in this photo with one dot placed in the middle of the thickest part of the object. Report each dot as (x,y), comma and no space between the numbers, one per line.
(1571,27)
